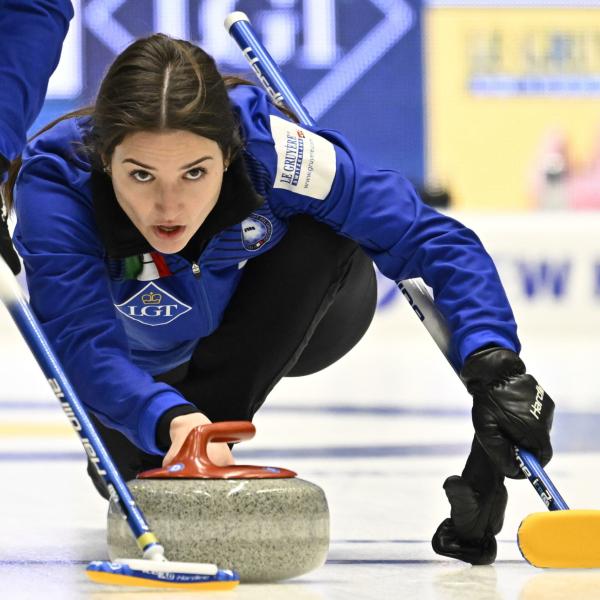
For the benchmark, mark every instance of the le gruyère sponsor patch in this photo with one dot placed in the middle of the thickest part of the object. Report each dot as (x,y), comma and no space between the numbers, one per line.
(153,306)
(305,160)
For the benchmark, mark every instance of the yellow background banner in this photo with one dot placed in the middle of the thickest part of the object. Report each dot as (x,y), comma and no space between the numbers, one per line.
(507,87)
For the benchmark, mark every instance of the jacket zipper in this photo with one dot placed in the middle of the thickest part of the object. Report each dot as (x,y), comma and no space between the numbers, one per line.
(197,272)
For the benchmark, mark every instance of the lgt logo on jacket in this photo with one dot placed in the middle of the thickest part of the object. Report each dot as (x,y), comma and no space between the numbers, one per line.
(153,306)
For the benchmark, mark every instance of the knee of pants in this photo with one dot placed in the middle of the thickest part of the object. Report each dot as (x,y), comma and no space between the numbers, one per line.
(345,322)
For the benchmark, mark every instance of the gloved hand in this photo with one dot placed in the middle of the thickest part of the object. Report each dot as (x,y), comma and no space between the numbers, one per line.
(509,408)
(477,504)
(7,250)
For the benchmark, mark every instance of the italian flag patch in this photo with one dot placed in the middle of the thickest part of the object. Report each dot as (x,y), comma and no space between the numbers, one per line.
(146,267)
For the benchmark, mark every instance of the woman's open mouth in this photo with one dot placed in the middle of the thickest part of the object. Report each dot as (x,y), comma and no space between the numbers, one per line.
(168,232)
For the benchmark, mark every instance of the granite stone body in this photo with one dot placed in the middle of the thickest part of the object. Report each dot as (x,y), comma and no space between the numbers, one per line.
(265,529)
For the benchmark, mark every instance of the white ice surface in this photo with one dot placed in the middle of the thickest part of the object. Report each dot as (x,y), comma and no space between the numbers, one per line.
(342,429)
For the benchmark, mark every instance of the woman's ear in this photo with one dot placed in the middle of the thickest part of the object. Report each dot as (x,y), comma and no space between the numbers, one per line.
(105,160)
(226,161)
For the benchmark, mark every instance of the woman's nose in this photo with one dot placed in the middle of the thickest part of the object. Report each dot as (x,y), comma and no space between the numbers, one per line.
(168,202)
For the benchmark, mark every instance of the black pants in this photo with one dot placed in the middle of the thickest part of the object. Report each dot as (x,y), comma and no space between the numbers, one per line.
(298,309)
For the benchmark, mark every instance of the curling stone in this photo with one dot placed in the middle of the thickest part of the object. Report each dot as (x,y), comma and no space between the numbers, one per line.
(262,522)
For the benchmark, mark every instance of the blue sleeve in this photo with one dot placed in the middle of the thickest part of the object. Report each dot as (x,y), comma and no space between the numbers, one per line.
(317,173)
(69,288)
(31,37)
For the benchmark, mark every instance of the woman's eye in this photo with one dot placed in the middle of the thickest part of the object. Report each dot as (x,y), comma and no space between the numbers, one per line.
(142,176)
(194,174)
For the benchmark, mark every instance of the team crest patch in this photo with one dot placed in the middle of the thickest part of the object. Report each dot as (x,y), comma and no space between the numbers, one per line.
(153,306)
(256,232)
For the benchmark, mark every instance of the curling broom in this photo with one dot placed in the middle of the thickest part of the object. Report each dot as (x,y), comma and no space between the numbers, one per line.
(154,570)
(562,538)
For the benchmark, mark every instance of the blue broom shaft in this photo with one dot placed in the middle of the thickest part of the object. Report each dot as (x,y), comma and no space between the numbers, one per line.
(264,66)
(541,482)
(38,343)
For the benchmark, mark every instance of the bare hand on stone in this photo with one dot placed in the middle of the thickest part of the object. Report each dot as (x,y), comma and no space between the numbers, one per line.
(218,453)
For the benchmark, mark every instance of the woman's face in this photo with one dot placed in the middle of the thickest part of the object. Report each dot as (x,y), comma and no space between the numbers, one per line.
(167,183)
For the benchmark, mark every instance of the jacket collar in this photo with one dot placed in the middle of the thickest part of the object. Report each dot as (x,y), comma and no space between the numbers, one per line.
(122,239)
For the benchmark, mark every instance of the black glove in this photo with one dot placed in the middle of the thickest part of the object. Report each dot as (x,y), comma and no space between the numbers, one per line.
(509,408)
(477,504)
(7,250)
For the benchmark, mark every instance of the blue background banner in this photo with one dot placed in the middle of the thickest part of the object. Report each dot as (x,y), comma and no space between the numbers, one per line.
(357,65)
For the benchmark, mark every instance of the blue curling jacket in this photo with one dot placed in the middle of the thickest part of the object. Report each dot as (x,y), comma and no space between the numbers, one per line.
(31,36)
(116,319)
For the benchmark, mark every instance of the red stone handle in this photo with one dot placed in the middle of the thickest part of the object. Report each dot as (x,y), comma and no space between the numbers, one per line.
(226,431)
(192,461)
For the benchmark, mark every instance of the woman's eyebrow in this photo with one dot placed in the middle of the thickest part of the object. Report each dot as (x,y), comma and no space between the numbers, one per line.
(198,160)
(195,162)
(138,163)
